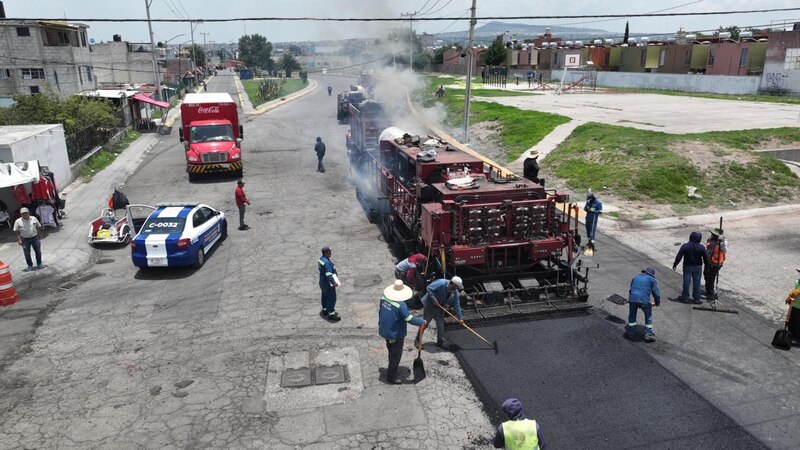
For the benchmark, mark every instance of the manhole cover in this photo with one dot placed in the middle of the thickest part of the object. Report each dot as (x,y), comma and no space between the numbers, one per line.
(296,378)
(329,375)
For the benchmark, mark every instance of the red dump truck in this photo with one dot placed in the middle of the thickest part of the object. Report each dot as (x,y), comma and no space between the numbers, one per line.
(211,134)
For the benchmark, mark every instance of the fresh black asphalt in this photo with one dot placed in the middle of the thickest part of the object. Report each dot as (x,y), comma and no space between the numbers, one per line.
(589,387)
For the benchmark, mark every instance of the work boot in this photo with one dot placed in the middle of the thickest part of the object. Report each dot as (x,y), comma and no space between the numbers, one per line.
(394,381)
(650,337)
(323,314)
(334,317)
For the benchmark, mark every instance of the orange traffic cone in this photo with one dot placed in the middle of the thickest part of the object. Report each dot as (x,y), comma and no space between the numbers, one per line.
(8,293)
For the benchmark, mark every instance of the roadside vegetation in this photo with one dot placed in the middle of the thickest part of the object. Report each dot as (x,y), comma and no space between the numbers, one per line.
(105,157)
(517,130)
(656,168)
(746,98)
(262,90)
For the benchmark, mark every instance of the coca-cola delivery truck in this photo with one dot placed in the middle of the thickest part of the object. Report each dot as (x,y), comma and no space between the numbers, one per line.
(211,134)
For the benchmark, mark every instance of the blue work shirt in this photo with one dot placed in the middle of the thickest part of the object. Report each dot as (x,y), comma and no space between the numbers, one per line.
(438,290)
(642,286)
(393,317)
(595,204)
(326,271)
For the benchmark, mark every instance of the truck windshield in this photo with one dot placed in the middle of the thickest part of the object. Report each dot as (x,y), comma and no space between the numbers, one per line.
(212,133)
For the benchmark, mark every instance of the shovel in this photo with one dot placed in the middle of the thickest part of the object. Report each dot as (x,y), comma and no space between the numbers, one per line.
(491,344)
(419,368)
(588,250)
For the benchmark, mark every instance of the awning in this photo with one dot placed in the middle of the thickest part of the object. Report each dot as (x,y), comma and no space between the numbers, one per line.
(152,101)
(12,174)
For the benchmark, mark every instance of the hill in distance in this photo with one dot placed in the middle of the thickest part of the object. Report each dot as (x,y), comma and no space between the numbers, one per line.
(520,31)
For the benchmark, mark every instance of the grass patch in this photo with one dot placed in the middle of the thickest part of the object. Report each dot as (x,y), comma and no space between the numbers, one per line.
(746,98)
(499,93)
(519,129)
(289,86)
(105,157)
(638,165)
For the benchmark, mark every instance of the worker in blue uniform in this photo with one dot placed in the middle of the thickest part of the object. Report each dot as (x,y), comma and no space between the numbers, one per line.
(328,282)
(593,208)
(642,287)
(442,292)
(392,319)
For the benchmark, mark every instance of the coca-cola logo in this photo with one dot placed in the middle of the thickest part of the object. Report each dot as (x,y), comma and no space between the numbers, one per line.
(208,110)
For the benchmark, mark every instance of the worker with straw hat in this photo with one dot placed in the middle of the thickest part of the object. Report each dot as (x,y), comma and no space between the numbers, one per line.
(393,318)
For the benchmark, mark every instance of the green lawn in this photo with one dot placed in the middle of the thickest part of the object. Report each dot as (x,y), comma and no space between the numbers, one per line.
(519,129)
(104,157)
(642,165)
(748,98)
(289,86)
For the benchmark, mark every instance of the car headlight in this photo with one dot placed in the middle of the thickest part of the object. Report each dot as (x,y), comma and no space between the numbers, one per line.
(193,159)
(236,155)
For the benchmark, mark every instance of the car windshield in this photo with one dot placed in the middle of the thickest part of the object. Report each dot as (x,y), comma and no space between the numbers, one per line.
(212,133)
(163,225)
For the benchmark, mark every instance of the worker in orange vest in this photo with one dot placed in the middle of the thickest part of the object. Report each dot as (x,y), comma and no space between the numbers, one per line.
(716,249)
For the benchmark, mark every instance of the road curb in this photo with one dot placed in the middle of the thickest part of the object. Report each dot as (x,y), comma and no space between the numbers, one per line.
(269,106)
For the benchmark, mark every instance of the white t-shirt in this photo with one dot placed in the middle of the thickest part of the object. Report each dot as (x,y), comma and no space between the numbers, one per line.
(27,228)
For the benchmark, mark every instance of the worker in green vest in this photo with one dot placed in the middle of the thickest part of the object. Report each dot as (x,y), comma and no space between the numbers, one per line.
(517,433)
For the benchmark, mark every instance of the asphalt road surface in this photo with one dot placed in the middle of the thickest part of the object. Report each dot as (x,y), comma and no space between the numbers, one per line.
(219,356)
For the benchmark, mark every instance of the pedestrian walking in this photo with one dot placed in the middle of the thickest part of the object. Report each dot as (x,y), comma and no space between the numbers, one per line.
(319,147)
(518,432)
(530,78)
(642,287)
(794,315)
(694,257)
(593,208)
(716,249)
(328,282)
(530,168)
(442,292)
(241,201)
(330,90)
(407,268)
(29,233)
(393,318)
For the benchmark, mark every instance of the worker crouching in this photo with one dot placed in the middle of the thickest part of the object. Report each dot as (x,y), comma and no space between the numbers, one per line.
(518,432)
(642,286)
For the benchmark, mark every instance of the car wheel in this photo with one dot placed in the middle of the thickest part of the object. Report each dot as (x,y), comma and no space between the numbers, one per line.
(223,232)
(200,259)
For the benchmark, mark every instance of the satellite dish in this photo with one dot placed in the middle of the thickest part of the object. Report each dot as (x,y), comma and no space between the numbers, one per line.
(91,40)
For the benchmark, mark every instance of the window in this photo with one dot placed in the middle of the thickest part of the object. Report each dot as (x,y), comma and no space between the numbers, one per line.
(89,73)
(32,74)
(63,38)
(743,57)
(792,61)
(83,40)
(34,89)
(711,56)
(23,31)
(201,216)
(643,58)
(662,57)
(5,73)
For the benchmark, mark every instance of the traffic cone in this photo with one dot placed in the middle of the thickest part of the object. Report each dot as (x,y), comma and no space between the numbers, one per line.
(8,293)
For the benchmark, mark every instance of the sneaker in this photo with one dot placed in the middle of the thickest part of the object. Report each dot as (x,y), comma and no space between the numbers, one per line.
(323,314)
(698,302)
(27,269)
(650,337)
(40,266)
(334,317)
(394,381)
(246,227)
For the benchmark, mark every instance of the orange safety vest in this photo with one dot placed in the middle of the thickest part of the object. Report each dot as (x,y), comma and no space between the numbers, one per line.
(717,255)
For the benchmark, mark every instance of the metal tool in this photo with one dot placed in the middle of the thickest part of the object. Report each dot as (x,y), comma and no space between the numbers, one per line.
(419,368)
(492,344)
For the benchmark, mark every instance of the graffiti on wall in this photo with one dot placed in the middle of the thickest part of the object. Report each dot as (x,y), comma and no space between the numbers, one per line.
(774,80)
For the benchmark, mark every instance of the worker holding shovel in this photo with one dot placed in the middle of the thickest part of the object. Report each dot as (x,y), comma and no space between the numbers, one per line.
(392,319)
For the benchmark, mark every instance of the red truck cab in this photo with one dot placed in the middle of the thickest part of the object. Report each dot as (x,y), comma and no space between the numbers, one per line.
(211,134)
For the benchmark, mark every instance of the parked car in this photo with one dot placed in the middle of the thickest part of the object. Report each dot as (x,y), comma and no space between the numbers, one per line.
(177,235)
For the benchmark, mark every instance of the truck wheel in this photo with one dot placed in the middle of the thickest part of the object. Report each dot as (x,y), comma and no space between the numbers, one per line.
(237,173)
(192,176)
(200,259)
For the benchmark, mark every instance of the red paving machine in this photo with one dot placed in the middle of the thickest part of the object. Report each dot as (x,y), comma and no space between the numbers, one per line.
(514,243)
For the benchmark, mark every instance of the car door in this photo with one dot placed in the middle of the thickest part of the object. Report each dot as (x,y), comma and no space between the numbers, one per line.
(136,215)
(207,226)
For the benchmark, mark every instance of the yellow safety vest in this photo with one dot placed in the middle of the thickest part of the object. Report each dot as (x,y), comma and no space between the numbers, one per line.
(521,435)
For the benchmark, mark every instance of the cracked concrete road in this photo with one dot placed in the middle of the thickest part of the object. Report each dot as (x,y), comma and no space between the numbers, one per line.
(181,358)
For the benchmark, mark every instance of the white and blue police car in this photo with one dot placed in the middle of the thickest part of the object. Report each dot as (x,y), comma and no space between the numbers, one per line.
(177,235)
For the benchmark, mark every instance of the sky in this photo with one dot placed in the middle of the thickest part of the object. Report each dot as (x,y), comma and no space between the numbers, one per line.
(283,31)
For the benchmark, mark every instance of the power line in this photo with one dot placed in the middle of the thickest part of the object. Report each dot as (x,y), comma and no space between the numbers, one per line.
(426,12)
(443,7)
(419,19)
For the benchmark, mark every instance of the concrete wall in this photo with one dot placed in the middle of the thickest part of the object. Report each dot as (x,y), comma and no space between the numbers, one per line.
(115,64)
(49,147)
(716,84)
(777,77)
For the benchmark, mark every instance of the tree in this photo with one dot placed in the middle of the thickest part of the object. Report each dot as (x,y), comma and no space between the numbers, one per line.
(733,29)
(399,38)
(255,50)
(496,54)
(627,31)
(197,54)
(288,64)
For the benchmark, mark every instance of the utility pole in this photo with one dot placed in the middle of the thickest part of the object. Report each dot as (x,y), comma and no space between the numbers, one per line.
(205,49)
(194,56)
(470,57)
(410,38)
(153,50)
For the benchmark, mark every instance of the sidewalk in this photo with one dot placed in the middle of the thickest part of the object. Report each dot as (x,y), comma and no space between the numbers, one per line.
(65,249)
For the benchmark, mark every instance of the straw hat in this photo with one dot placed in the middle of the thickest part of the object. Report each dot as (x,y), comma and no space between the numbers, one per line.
(533,154)
(717,232)
(398,292)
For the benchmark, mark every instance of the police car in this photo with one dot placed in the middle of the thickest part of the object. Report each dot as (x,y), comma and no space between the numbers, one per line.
(176,234)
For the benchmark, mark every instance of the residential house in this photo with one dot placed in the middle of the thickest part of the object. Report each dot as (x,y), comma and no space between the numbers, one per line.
(782,63)
(120,62)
